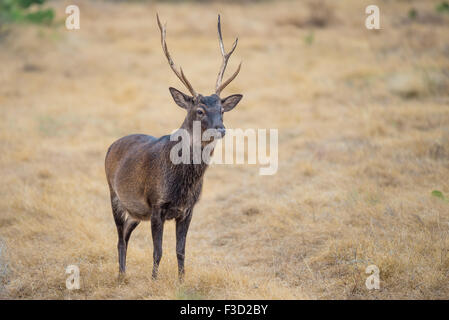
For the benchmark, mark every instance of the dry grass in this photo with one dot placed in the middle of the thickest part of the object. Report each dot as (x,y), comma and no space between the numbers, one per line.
(363,123)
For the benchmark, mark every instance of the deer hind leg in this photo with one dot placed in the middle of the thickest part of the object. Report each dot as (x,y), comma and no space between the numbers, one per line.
(125,226)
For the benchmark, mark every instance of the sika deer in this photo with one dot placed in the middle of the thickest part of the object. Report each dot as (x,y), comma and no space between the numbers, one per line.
(143,181)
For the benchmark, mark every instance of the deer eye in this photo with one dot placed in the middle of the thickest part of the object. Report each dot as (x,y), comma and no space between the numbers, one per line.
(199,112)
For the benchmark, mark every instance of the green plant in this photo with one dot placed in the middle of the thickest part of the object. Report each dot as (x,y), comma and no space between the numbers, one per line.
(442,7)
(440,195)
(309,38)
(413,13)
(24,11)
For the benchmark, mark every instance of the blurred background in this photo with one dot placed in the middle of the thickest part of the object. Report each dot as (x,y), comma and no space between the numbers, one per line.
(363,120)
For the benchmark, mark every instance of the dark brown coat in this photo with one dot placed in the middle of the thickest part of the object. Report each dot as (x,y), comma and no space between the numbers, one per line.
(146,185)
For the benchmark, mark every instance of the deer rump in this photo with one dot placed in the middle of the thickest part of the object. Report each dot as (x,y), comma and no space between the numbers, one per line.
(142,178)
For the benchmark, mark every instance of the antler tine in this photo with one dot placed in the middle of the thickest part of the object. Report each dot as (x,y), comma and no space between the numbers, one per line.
(219,86)
(180,75)
(225,84)
(187,83)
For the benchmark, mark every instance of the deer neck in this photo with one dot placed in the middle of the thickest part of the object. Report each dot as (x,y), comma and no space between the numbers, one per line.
(193,170)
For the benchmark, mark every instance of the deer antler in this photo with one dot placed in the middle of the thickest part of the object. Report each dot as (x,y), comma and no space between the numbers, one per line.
(179,74)
(220,86)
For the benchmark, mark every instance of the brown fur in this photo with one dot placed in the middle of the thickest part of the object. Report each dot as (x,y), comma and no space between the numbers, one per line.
(146,185)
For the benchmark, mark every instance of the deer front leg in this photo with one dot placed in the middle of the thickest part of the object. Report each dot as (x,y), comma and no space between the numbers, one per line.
(157,230)
(182,226)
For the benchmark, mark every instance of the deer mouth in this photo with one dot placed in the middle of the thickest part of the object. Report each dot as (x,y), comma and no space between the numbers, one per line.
(222,132)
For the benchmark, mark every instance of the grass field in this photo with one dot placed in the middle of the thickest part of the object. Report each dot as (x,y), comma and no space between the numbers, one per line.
(363,119)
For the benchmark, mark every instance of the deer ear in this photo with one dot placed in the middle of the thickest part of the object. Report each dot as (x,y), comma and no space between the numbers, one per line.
(230,102)
(183,100)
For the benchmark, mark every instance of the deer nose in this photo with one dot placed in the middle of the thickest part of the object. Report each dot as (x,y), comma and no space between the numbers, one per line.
(221,130)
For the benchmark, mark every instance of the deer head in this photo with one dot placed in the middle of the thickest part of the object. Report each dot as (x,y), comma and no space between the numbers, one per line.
(206,109)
